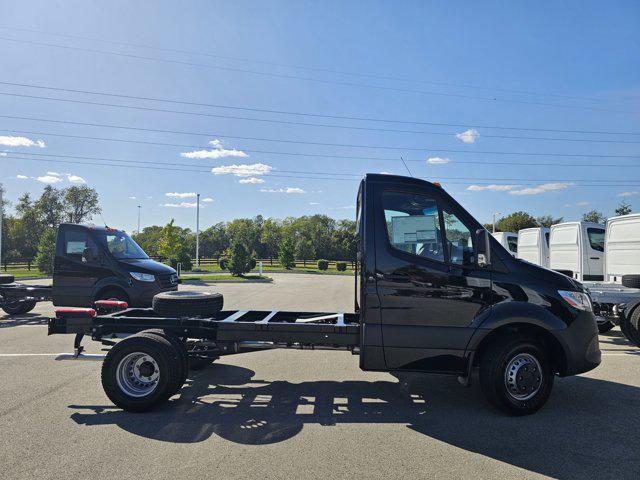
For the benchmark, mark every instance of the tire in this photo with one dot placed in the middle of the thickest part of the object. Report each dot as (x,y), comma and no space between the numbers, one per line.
(631,281)
(604,327)
(112,294)
(519,354)
(633,326)
(19,307)
(180,348)
(159,359)
(6,278)
(187,304)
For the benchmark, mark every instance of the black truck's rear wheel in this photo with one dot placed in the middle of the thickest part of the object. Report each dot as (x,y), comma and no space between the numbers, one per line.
(516,375)
(187,304)
(19,307)
(140,372)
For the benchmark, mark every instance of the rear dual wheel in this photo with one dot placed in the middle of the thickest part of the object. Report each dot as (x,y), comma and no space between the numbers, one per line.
(516,375)
(143,371)
(19,307)
(630,325)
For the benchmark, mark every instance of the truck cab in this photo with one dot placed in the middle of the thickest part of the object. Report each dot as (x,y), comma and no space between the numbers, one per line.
(622,250)
(98,263)
(508,240)
(533,245)
(577,250)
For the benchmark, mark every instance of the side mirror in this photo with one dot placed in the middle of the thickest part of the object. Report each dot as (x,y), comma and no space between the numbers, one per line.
(483,247)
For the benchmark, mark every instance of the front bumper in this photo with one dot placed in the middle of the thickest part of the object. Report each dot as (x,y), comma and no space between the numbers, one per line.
(580,344)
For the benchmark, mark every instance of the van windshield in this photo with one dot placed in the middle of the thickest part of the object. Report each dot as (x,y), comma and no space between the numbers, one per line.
(120,245)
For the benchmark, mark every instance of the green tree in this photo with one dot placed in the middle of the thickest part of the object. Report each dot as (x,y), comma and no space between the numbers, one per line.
(593,216)
(240,260)
(270,236)
(515,222)
(50,207)
(46,251)
(623,209)
(548,220)
(214,240)
(148,239)
(286,253)
(80,203)
(170,245)
(304,250)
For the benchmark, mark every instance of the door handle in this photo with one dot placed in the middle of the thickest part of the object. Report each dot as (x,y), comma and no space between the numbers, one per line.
(594,258)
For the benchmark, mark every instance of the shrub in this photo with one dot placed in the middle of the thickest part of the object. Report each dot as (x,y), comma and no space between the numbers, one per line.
(46,251)
(341,266)
(323,264)
(240,260)
(252,262)
(224,263)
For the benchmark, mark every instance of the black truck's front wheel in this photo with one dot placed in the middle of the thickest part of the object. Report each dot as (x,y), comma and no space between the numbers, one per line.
(516,375)
(139,373)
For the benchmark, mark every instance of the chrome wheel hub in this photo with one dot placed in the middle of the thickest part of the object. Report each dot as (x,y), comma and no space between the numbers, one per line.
(138,374)
(523,376)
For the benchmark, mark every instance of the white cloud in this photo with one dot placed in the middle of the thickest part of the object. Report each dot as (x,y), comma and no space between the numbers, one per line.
(55,174)
(283,190)
(75,179)
(132,198)
(22,177)
(207,200)
(582,204)
(545,187)
(3,154)
(437,161)
(216,152)
(314,203)
(347,207)
(180,205)
(252,180)
(181,195)
(492,187)
(468,136)
(243,170)
(386,173)
(13,141)
(49,179)
(627,194)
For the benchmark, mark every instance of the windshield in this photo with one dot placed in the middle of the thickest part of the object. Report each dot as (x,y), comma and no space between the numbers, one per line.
(120,245)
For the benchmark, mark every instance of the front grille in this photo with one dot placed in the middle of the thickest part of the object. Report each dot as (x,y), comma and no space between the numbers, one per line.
(168,280)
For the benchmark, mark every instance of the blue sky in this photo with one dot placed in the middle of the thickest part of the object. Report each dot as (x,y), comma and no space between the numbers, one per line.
(543,65)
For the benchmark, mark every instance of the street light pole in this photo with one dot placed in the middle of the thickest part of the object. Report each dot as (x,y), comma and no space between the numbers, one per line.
(494,221)
(1,221)
(138,220)
(198,231)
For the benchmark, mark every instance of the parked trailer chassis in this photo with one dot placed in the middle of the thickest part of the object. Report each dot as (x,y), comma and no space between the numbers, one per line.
(14,296)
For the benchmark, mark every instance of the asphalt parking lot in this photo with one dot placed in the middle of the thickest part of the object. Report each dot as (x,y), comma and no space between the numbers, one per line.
(302,414)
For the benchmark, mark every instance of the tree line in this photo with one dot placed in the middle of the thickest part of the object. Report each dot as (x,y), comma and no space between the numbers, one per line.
(520,220)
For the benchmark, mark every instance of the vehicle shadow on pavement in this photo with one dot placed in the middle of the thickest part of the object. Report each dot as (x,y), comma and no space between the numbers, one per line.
(587,429)
(21,320)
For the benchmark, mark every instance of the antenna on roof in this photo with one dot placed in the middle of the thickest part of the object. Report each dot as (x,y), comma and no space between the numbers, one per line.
(405,166)
(105,223)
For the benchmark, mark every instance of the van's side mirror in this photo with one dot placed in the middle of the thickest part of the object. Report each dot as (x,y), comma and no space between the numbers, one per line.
(483,247)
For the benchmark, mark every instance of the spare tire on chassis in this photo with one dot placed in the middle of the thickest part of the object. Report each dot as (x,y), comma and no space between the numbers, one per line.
(142,371)
(6,278)
(178,304)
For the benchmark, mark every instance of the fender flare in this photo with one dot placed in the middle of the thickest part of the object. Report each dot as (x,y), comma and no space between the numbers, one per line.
(110,282)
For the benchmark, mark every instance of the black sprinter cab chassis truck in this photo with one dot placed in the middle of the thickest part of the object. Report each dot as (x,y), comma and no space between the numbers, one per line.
(434,293)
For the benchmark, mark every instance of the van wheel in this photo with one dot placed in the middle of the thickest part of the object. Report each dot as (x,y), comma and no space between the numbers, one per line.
(5,278)
(516,375)
(112,294)
(632,326)
(631,281)
(19,307)
(604,327)
(139,373)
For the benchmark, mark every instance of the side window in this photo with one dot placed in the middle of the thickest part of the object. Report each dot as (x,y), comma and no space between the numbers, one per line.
(413,224)
(546,237)
(459,240)
(75,243)
(596,238)
(513,244)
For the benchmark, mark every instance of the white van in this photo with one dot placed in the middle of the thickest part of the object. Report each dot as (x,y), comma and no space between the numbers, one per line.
(508,240)
(577,250)
(533,245)
(622,248)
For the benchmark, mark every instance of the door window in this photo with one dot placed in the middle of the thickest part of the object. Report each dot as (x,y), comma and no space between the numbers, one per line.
(459,240)
(596,238)
(413,224)
(513,244)
(75,243)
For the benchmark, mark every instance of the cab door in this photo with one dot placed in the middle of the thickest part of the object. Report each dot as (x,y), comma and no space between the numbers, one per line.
(75,272)
(431,292)
(594,252)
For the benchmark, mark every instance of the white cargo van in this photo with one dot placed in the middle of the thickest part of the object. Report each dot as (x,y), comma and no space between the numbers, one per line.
(533,245)
(622,258)
(508,240)
(577,250)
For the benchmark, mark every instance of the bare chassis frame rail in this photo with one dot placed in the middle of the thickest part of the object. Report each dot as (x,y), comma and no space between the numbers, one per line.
(248,328)
(12,292)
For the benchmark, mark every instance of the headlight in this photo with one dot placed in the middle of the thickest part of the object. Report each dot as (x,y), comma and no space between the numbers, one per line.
(143,277)
(578,300)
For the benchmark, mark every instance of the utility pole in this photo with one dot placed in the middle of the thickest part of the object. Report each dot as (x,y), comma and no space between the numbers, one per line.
(494,221)
(138,220)
(198,231)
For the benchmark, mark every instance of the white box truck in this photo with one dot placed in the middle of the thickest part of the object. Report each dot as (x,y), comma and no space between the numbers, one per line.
(533,245)
(508,240)
(577,250)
